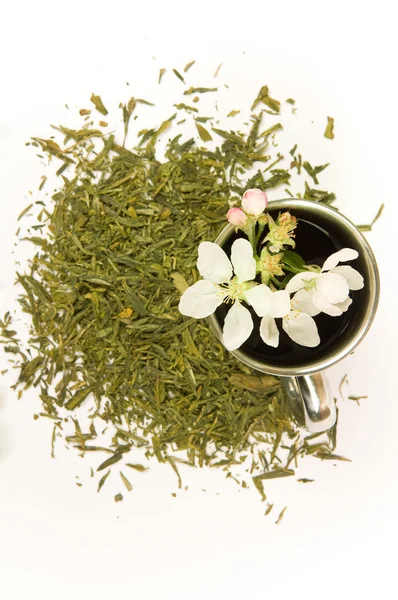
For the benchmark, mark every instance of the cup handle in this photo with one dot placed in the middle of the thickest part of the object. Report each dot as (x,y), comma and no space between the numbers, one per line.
(310,401)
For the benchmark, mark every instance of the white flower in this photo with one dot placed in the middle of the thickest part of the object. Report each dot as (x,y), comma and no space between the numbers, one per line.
(297,321)
(219,285)
(328,290)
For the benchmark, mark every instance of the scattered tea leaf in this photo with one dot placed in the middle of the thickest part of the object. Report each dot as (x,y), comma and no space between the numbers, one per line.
(188,66)
(199,90)
(137,467)
(126,482)
(264,97)
(329,131)
(110,461)
(203,133)
(25,210)
(177,74)
(103,479)
(96,100)
(161,73)
(281,515)
(217,70)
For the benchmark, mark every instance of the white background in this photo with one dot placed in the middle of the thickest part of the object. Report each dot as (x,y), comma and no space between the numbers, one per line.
(337,539)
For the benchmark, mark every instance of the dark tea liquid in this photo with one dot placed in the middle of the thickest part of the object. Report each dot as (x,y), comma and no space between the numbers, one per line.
(315,245)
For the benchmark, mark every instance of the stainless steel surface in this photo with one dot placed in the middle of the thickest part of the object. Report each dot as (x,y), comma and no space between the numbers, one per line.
(310,400)
(312,391)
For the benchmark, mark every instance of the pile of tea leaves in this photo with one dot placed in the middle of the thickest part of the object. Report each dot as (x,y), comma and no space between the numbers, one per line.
(114,249)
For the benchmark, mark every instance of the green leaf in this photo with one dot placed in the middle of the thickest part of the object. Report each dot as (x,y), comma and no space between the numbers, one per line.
(103,479)
(294,261)
(110,461)
(204,134)
(96,100)
(78,398)
(329,131)
(137,467)
(177,74)
(188,66)
(126,482)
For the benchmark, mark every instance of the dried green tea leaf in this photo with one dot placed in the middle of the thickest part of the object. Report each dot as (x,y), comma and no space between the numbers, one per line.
(281,515)
(118,498)
(216,72)
(188,66)
(357,398)
(318,195)
(268,509)
(137,467)
(254,383)
(25,210)
(290,101)
(96,100)
(177,74)
(170,460)
(179,282)
(161,73)
(84,111)
(199,90)
(103,479)
(275,474)
(265,98)
(126,482)
(53,442)
(183,106)
(304,480)
(203,133)
(271,130)
(110,461)
(232,113)
(369,227)
(314,171)
(78,398)
(325,455)
(329,131)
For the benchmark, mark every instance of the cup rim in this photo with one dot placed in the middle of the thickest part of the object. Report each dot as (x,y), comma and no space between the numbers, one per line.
(374,291)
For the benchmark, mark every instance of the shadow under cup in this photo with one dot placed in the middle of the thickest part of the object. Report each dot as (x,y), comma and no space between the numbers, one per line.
(321,230)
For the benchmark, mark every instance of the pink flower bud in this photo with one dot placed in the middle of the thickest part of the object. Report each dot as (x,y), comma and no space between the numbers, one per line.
(236,217)
(254,202)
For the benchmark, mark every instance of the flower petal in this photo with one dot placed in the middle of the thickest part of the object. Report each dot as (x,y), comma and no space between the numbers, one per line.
(344,305)
(333,310)
(302,329)
(302,302)
(213,264)
(200,299)
(269,332)
(333,287)
(260,298)
(298,281)
(238,326)
(243,260)
(280,304)
(340,256)
(254,202)
(352,277)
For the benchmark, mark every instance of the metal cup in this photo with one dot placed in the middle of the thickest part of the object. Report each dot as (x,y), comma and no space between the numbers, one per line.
(305,385)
